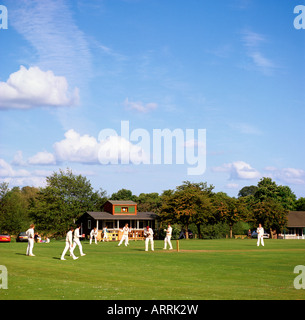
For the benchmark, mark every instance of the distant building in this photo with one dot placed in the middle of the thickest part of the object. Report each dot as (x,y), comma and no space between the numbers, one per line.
(296,225)
(115,215)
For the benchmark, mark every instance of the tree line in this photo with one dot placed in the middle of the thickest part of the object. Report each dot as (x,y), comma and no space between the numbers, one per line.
(67,196)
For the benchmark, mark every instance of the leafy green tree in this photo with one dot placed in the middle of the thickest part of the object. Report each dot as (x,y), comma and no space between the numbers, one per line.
(184,208)
(272,203)
(268,189)
(189,203)
(217,230)
(149,202)
(98,199)
(3,189)
(49,213)
(300,204)
(167,210)
(65,198)
(14,216)
(247,191)
(271,214)
(230,210)
(123,194)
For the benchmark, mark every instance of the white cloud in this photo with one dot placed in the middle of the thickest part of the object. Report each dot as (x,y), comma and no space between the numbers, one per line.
(117,149)
(28,88)
(252,39)
(77,148)
(58,43)
(86,149)
(32,181)
(110,52)
(242,170)
(238,170)
(139,106)
(6,170)
(42,158)
(18,159)
(35,178)
(252,42)
(261,61)
(287,175)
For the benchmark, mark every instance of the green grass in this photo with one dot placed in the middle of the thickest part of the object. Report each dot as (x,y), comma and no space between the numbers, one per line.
(203,269)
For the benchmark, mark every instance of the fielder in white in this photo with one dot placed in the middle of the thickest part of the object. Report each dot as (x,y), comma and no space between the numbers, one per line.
(93,233)
(30,235)
(125,230)
(260,235)
(149,234)
(105,234)
(76,241)
(167,239)
(69,245)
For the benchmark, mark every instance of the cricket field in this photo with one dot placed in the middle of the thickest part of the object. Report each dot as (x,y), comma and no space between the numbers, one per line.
(229,269)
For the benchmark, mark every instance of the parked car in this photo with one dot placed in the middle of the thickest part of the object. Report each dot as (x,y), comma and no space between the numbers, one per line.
(265,236)
(22,237)
(182,234)
(5,237)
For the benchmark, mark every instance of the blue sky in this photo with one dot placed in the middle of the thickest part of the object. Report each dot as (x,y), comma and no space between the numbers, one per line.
(69,69)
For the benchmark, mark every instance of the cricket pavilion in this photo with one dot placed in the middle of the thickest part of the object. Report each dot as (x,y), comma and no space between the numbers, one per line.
(296,225)
(114,216)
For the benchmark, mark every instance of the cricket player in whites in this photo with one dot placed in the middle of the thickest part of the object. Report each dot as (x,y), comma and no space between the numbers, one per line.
(94,234)
(260,235)
(30,234)
(125,230)
(105,234)
(69,245)
(167,239)
(76,241)
(149,235)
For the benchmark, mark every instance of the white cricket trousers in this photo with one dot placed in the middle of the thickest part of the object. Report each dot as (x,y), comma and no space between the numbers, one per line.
(151,244)
(260,239)
(29,250)
(124,237)
(77,242)
(167,240)
(95,239)
(68,247)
